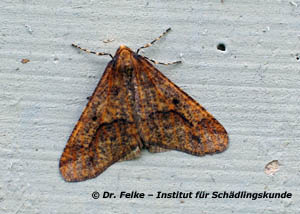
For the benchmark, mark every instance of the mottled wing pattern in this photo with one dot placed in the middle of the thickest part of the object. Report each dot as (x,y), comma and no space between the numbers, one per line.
(171,119)
(105,133)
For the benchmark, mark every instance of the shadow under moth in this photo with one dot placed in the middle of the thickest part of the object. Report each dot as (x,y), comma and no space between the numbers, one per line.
(134,107)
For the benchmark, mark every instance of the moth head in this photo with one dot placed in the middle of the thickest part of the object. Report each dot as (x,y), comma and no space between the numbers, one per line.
(123,57)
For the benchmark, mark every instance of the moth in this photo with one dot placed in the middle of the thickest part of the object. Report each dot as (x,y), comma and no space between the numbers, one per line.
(134,107)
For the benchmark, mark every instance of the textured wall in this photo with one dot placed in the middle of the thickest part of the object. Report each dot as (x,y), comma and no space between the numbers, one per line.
(252,89)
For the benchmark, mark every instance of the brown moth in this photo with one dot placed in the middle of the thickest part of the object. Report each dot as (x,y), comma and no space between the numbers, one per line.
(133,107)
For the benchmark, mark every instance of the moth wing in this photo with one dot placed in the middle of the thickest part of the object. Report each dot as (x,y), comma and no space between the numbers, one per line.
(104,134)
(171,119)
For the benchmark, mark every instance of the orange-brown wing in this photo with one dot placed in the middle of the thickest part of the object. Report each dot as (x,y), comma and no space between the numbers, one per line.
(171,119)
(105,132)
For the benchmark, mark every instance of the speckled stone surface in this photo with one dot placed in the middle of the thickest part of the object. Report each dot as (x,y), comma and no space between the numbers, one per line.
(252,88)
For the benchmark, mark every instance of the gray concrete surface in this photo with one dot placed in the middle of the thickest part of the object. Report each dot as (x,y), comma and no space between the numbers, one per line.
(252,89)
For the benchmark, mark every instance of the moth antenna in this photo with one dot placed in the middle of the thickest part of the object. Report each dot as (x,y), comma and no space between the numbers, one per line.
(151,43)
(162,63)
(92,52)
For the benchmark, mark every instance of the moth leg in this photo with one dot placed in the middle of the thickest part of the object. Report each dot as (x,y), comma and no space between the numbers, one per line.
(156,149)
(151,43)
(162,63)
(93,52)
(132,155)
